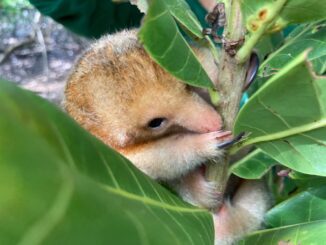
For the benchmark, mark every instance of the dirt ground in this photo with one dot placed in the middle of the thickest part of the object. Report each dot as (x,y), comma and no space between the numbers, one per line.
(37,53)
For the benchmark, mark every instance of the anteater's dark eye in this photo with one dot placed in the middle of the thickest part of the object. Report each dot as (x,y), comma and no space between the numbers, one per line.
(156,122)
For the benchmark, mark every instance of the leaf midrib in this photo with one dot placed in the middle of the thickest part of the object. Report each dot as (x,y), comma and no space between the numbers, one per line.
(40,229)
(286,133)
(152,202)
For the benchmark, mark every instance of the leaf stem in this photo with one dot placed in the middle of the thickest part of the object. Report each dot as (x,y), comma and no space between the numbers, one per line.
(265,18)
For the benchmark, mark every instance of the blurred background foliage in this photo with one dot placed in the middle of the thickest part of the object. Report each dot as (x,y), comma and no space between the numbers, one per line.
(36,52)
(14,5)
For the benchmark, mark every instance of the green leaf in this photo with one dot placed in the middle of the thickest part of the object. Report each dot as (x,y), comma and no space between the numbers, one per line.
(253,166)
(59,185)
(306,206)
(303,234)
(294,11)
(287,118)
(166,45)
(311,36)
(181,11)
(305,181)
(268,44)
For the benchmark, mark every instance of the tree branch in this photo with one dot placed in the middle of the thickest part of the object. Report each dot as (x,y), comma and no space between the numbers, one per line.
(230,83)
(260,23)
(14,47)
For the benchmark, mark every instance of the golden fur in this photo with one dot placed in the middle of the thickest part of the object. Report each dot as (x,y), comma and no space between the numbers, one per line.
(116,89)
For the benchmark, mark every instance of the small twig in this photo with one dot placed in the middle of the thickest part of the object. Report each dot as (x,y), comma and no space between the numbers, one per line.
(14,47)
(264,19)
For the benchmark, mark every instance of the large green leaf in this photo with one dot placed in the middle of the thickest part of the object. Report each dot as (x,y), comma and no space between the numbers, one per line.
(305,181)
(293,11)
(287,118)
(253,165)
(306,206)
(60,185)
(311,36)
(166,45)
(303,234)
(181,11)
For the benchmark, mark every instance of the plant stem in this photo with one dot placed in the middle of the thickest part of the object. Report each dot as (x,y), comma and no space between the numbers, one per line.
(230,83)
(271,13)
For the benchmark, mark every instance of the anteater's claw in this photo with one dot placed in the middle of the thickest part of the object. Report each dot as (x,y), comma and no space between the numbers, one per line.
(231,142)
